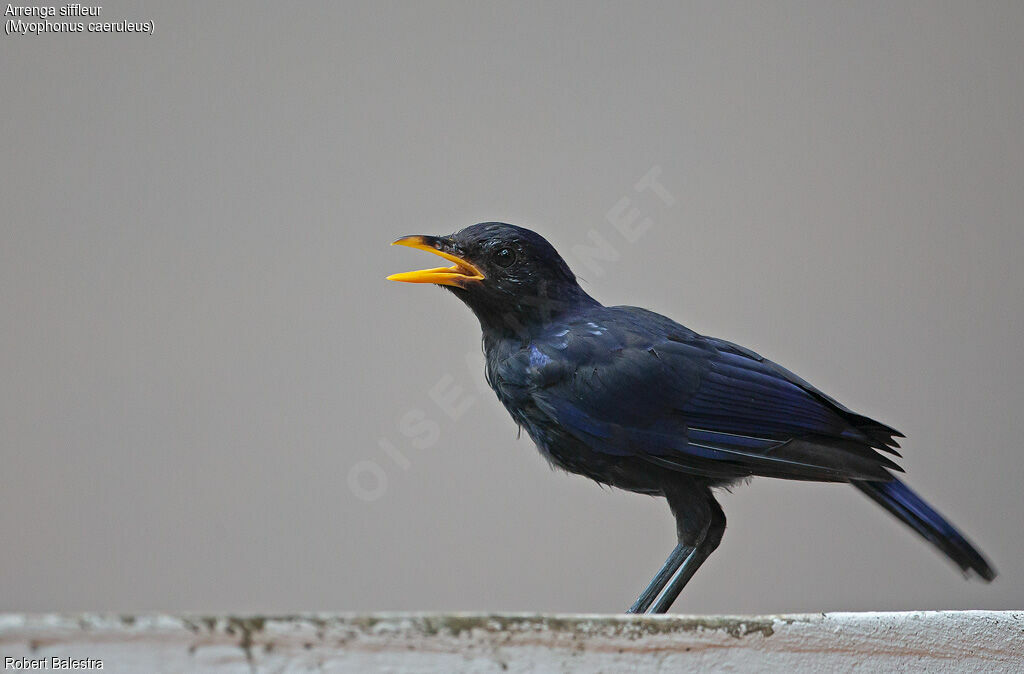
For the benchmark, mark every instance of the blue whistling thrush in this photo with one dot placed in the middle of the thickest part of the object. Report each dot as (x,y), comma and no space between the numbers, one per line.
(634,400)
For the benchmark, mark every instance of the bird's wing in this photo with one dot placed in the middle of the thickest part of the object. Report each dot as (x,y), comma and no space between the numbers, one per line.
(630,387)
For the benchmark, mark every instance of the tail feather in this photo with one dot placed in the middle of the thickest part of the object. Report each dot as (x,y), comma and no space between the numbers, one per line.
(898,499)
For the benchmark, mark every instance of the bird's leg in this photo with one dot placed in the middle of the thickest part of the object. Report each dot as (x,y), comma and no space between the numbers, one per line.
(700,524)
(709,542)
(675,560)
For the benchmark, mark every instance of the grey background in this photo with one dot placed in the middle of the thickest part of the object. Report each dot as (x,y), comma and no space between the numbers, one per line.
(198,346)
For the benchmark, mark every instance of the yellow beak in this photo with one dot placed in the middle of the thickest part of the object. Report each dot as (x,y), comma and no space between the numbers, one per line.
(459,274)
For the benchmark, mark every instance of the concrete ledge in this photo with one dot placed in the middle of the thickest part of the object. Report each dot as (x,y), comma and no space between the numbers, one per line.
(962,641)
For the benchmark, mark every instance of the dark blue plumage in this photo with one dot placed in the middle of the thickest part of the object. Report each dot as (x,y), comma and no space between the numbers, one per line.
(654,390)
(901,501)
(632,399)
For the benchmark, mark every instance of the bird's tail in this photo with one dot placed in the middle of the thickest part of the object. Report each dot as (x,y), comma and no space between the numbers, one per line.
(898,499)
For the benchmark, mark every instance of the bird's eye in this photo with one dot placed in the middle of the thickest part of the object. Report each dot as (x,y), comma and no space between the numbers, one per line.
(503,257)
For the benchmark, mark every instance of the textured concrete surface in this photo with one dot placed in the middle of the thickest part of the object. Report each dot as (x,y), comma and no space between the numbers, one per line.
(961,641)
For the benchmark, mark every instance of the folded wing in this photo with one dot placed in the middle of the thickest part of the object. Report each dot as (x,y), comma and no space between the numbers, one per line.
(696,404)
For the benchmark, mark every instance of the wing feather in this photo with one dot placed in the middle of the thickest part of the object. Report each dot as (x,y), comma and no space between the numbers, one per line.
(694,404)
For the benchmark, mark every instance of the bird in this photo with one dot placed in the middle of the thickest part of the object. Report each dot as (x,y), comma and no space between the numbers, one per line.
(633,400)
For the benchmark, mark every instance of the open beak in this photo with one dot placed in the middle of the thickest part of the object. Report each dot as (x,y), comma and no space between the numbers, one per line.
(459,274)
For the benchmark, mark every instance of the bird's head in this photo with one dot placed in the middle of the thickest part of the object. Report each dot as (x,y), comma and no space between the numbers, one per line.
(511,277)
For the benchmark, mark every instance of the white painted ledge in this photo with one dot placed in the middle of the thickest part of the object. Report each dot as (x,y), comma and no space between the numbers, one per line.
(933,641)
